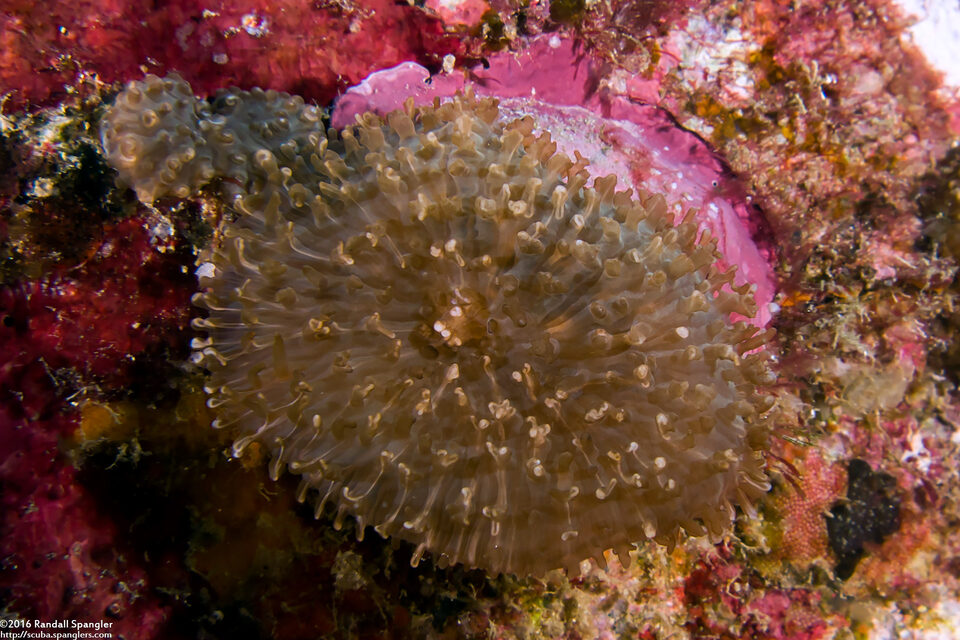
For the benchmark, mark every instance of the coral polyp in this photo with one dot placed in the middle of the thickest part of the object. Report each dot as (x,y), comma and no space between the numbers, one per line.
(438,325)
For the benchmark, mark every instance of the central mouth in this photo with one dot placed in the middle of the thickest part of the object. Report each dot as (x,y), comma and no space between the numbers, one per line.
(464,319)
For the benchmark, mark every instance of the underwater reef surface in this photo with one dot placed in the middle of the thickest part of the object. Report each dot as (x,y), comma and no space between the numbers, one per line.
(831,151)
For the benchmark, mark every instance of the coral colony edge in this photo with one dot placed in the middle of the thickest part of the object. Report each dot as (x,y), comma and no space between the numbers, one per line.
(433,322)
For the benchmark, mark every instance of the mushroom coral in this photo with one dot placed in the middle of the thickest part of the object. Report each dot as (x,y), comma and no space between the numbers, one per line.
(437,325)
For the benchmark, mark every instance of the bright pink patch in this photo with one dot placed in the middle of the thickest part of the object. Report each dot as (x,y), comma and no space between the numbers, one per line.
(464,12)
(620,135)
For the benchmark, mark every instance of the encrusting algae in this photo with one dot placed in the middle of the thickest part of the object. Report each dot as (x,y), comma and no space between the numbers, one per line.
(436,324)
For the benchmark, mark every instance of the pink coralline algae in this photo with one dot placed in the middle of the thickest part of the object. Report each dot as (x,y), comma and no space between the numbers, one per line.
(718,591)
(251,41)
(616,134)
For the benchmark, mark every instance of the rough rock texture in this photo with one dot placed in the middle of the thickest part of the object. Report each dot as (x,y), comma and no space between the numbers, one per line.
(447,335)
(47,48)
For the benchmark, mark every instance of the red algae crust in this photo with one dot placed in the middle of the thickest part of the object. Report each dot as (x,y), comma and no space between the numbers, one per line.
(256,42)
(64,556)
